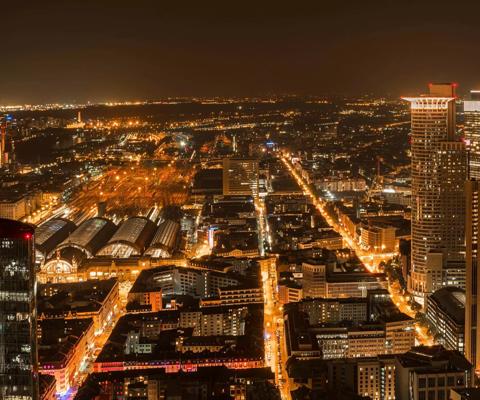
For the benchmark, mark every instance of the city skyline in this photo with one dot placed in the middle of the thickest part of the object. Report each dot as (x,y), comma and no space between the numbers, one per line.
(240,201)
(262,237)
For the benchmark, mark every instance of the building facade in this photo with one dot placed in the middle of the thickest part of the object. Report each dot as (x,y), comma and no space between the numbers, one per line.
(74,341)
(240,176)
(446,312)
(18,343)
(13,208)
(471,109)
(436,169)
(289,292)
(378,238)
(430,373)
(472,232)
(314,279)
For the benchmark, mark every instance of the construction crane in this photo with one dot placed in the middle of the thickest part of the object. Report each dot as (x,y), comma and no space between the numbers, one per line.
(377,183)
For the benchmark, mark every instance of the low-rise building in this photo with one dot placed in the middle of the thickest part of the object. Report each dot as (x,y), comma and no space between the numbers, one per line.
(207,382)
(198,344)
(328,278)
(328,329)
(223,284)
(331,241)
(62,346)
(322,310)
(155,340)
(340,184)
(430,373)
(421,373)
(378,238)
(237,295)
(362,377)
(98,300)
(289,292)
(13,207)
(372,377)
(152,298)
(173,280)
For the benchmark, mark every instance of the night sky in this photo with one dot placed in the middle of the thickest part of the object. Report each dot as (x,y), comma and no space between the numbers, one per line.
(78,50)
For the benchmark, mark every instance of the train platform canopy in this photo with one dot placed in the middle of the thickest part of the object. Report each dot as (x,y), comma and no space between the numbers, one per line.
(131,238)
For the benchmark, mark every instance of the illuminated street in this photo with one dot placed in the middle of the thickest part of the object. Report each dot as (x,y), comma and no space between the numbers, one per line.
(94,349)
(273,312)
(371,260)
(274,336)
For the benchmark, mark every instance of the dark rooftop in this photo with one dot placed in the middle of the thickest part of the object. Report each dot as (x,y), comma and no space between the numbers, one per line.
(58,337)
(434,358)
(451,300)
(15,229)
(56,299)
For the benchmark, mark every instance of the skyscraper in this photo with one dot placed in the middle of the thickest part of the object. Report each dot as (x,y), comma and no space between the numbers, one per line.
(472,231)
(18,349)
(453,174)
(240,176)
(438,177)
(3,142)
(471,110)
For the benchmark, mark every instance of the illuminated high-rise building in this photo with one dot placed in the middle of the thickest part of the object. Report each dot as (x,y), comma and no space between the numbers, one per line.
(472,229)
(240,176)
(438,205)
(472,311)
(3,142)
(471,110)
(18,349)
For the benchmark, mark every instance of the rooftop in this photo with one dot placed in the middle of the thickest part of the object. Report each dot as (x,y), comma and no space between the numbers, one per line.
(15,229)
(434,358)
(59,298)
(59,337)
(451,300)
(90,235)
(51,233)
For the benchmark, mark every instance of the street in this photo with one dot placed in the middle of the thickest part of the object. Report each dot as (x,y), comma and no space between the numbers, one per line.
(371,260)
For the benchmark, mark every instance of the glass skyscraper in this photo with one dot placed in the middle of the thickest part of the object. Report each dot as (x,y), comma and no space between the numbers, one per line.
(18,349)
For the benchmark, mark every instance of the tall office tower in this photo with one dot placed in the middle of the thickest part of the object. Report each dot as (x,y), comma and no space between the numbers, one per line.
(240,176)
(453,174)
(472,232)
(438,176)
(3,143)
(471,109)
(18,348)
